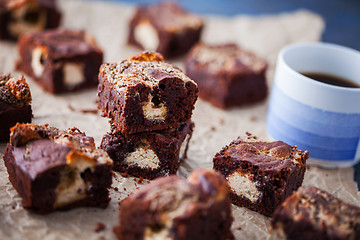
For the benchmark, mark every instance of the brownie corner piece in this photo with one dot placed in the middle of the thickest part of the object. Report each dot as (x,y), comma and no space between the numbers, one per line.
(312,213)
(261,174)
(175,208)
(53,169)
(145,93)
(20,17)
(164,27)
(227,75)
(148,154)
(60,60)
(15,103)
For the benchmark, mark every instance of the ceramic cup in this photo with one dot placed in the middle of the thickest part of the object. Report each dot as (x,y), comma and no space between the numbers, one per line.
(315,116)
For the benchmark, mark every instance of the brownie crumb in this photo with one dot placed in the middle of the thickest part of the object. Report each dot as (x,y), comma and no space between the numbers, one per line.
(116,188)
(100,227)
(71,107)
(253,119)
(93,111)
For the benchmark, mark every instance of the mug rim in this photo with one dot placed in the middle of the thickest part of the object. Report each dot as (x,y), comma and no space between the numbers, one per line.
(324,46)
(311,92)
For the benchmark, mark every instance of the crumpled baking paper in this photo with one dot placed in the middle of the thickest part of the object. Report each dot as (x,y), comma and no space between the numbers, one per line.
(215,128)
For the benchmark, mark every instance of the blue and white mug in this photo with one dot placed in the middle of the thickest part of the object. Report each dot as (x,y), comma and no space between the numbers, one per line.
(315,116)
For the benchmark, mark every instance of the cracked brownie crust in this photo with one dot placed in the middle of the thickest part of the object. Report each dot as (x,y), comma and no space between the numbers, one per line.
(15,103)
(144,93)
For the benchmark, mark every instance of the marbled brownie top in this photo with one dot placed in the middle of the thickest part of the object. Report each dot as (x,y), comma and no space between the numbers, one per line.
(63,42)
(14,90)
(52,148)
(266,156)
(148,68)
(226,57)
(323,211)
(174,196)
(169,16)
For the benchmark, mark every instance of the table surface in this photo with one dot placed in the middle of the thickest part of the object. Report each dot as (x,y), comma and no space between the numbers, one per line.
(342,17)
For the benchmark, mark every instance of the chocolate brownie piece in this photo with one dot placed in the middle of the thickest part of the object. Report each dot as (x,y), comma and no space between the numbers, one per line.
(148,154)
(53,169)
(15,103)
(60,60)
(261,174)
(174,208)
(227,75)
(144,93)
(311,213)
(166,28)
(26,16)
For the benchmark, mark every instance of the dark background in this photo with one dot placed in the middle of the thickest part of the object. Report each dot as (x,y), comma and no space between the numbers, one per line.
(342,17)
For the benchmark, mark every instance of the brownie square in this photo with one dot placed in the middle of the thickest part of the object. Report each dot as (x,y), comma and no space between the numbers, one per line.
(15,103)
(311,213)
(148,154)
(175,208)
(227,75)
(53,169)
(166,28)
(60,60)
(144,93)
(261,174)
(27,16)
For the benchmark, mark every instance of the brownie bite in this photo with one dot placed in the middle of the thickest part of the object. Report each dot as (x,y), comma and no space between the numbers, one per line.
(60,60)
(53,169)
(261,174)
(15,103)
(18,17)
(148,154)
(227,75)
(175,208)
(144,93)
(311,213)
(166,28)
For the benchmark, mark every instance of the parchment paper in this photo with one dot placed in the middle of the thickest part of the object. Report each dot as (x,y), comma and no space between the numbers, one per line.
(214,129)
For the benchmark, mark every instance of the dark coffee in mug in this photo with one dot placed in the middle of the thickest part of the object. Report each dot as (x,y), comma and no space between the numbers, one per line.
(331,79)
